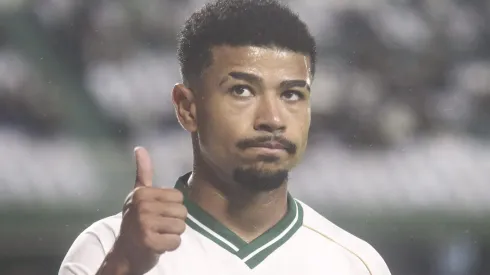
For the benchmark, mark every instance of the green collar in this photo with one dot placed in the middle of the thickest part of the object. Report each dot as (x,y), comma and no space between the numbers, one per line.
(253,253)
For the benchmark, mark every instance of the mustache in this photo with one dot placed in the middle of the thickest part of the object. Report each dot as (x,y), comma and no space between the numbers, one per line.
(263,141)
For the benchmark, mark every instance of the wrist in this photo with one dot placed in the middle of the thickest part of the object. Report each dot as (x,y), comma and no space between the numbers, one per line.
(116,263)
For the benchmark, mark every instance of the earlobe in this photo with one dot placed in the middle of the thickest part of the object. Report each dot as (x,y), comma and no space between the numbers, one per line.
(185,107)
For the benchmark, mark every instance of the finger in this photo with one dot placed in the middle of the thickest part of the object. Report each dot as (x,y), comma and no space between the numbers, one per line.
(144,168)
(161,243)
(164,195)
(169,195)
(169,210)
(166,225)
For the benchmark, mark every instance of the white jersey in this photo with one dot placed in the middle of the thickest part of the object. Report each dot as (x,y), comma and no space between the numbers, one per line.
(303,242)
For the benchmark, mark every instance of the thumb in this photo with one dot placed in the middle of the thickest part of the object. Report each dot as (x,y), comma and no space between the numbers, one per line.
(144,168)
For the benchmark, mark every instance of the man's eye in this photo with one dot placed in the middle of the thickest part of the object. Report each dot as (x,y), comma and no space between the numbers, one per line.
(292,96)
(241,91)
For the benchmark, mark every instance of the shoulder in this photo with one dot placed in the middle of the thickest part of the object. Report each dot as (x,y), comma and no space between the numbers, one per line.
(312,220)
(91,246)
(104,230)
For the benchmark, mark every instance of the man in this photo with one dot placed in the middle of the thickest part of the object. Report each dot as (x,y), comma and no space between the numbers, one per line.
(247,68)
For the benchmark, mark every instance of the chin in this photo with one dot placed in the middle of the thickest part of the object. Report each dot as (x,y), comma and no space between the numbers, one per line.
(260,179)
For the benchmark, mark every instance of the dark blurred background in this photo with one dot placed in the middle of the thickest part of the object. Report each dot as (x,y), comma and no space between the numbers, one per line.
(399,152)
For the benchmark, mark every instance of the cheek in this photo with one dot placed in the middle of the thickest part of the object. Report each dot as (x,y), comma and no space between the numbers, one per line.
(306,127)
(220,127)
(301,130)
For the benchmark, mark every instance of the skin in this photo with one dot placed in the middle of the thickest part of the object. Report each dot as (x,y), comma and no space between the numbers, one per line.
(247,93)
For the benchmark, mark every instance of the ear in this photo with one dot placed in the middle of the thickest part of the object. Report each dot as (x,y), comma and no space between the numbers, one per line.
(185,107)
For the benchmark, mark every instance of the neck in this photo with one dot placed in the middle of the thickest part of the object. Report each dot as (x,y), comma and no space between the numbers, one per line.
(247,213)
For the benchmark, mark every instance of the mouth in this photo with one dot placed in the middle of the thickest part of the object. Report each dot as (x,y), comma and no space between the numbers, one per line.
(270,145)
(269,148)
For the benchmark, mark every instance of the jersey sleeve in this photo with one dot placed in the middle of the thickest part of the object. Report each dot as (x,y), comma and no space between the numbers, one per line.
(88,251)
(369,260)
(375,263)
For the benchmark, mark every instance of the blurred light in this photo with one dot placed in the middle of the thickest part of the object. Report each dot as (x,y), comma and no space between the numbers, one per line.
(452,109)
(11,6)
(110,16)
(463,26)
(397,122)
(136,90)
(474,77)
(327,88)
(54,12)
(35,171)
(457,256)
(362,92)
(438,174)
(14,70)
(401,27)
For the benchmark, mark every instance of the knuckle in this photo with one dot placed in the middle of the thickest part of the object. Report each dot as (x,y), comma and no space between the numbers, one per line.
(144,207)
(176,210)
(173,195)
(172,242)
(137,191)
(136,194)
(180,227)
(178,195)
(184,211)
(130,201)
(140,193)
(173,226)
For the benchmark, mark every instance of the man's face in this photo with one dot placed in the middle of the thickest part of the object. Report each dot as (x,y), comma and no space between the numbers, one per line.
(253,114)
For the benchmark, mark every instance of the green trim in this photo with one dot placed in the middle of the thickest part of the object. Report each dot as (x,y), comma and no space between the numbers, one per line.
(203,232)
(252,253)
(261,256)
(197,212)
(273,232)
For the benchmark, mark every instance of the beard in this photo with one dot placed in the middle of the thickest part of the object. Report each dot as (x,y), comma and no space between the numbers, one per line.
(260,180)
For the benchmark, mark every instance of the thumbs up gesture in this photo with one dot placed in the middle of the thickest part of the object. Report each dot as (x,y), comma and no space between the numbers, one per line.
(153,220)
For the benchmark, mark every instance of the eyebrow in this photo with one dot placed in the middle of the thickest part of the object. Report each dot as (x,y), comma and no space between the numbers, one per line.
(248,77)
(288,84)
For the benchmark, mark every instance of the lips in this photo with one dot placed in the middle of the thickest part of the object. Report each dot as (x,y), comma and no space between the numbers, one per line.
(271,145)
(268,142)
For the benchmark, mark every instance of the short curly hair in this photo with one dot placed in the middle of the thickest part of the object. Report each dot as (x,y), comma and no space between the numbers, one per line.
(266,23)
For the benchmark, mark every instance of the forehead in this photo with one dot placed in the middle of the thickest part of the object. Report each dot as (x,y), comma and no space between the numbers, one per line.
(269,63)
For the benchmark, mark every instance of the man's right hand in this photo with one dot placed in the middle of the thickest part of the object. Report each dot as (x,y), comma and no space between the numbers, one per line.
(153,220)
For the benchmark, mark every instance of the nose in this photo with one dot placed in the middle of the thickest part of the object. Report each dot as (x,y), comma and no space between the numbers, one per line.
(269,117)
